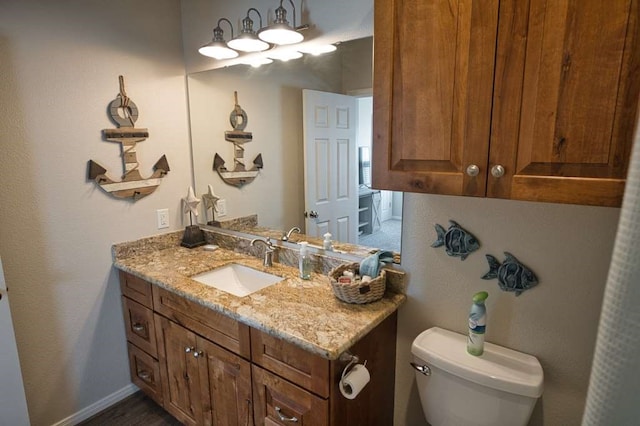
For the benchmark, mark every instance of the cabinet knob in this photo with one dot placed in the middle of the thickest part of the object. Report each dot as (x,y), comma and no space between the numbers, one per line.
(197,354)
(497,171)
(188,349)
(473,170)
(144,375)
(284,418)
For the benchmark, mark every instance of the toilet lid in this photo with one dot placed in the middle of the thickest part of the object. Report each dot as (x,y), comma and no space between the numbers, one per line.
(498,367)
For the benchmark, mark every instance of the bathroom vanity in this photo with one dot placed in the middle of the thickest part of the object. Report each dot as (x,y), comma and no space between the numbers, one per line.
(272,357)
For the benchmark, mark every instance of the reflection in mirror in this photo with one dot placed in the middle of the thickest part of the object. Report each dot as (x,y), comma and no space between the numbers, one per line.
(271,96)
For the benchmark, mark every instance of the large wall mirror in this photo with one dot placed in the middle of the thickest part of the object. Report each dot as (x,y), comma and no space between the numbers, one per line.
(285,107)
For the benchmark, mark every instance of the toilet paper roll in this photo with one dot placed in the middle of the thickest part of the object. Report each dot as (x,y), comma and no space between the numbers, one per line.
(353,383)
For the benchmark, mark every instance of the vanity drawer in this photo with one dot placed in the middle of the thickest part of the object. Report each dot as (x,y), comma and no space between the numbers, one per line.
(219,328)
(277,402)
(136,288)
(291,362)
(145,373)
(139,325)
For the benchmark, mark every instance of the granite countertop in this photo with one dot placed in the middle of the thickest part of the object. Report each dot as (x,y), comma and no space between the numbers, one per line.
(303,312)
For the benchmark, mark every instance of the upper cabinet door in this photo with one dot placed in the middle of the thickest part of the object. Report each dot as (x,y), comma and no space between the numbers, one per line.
(433,79)
(565,98)
(523,99)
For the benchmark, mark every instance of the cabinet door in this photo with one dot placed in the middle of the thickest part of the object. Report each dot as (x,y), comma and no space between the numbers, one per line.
(278,402)
(571,141)
(225,386)
(433,81)
(180,381)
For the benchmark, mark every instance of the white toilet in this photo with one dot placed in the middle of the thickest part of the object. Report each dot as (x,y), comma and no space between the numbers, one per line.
(500,387)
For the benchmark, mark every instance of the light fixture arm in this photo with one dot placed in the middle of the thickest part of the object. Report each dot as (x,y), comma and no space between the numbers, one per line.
(217,28)
(294,12)
(256,11)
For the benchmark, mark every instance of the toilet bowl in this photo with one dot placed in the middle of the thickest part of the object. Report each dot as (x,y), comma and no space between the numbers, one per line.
(500,387)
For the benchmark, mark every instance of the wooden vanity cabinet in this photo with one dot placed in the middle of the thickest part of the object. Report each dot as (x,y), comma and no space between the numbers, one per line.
(521,99)
(205,384)
(141,336)
(208,369)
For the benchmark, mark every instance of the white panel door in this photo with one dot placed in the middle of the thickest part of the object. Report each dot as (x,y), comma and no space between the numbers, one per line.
(13,405)
(331,167)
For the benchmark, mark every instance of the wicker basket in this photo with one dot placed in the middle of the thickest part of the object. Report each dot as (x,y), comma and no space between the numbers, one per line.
(357,292)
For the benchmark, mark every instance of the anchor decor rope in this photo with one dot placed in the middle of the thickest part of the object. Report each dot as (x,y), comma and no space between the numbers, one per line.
(124,112)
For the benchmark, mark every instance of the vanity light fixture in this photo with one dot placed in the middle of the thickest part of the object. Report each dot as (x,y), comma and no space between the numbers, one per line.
(257,62)
(218,48)
(280,32)
(284,55)
(247,40)
(317,50)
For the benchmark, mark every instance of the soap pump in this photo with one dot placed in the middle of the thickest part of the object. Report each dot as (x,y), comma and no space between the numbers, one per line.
(326,244)
(477,324)
(304,261)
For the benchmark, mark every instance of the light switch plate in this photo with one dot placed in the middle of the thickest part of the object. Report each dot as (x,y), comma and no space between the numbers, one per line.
(163,218)
(221,205)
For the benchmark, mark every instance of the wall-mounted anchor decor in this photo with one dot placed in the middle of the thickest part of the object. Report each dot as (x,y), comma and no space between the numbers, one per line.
(131,185)
(511,274)
(456,240)
(239,175)
(210,201)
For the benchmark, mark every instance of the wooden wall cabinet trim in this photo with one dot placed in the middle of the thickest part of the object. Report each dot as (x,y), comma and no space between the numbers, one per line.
(554,102)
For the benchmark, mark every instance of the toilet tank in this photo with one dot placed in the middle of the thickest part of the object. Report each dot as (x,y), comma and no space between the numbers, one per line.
(500,387)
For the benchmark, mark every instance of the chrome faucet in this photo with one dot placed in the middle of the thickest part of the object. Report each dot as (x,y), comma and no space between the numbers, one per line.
(268,250)
(291,231)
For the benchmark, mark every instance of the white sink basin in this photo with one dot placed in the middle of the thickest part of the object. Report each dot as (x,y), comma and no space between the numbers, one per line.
(237,279)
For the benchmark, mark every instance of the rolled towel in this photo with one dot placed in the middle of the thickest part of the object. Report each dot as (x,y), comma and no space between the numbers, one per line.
(371,265)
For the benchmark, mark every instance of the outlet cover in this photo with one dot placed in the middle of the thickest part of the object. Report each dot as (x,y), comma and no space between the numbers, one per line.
(221,206)
(163,218)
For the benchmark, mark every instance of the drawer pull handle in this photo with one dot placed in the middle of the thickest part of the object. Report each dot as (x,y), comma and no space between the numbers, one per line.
(144,375)
(284,418)
(138,327)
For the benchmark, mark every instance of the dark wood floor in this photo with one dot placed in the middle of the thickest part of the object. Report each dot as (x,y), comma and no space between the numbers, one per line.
(137,409)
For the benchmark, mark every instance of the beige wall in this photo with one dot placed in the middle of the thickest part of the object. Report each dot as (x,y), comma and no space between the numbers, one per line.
(568,247)
(59,70)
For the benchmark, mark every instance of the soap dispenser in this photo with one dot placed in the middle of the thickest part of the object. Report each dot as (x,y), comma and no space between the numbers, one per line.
(326,244)
(304,261)
(477,324)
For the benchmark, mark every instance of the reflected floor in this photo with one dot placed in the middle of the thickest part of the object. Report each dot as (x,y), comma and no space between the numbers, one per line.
(387,237)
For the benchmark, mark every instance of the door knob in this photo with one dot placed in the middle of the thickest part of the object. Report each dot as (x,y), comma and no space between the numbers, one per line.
(473,170)
(312,214)
(497,171)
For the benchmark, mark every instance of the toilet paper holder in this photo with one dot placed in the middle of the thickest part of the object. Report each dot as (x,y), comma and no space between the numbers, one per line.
(352,361)
(346,384)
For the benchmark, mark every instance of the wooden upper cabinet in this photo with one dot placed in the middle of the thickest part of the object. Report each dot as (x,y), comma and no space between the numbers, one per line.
(554,104)
(433,78)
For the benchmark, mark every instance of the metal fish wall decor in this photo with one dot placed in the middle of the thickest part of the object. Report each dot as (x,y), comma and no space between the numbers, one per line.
(456,240)
(512,275)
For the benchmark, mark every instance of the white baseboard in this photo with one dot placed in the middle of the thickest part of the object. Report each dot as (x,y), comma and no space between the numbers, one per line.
(98,406)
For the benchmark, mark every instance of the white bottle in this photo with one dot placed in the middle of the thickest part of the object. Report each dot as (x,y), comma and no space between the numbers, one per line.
(326,244)
(304,261)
